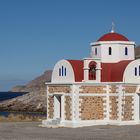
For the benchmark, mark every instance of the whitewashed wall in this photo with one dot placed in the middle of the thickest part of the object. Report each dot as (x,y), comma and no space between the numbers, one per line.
(129,73)
(69,77)
(118,51)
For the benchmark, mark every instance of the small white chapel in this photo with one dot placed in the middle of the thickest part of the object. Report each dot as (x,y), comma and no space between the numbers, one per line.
(97,90)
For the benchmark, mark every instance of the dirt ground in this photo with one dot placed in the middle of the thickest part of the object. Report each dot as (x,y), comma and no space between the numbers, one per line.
(32,131)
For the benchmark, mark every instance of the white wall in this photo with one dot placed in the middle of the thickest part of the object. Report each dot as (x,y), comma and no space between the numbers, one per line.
(129,73)
(69,77)
(98,51)
(118,51)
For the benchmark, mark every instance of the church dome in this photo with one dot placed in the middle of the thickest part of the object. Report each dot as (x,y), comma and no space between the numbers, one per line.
(113,37)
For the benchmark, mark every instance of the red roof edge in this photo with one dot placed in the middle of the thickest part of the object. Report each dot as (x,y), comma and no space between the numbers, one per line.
(113,72)
(112,37)
(77,66)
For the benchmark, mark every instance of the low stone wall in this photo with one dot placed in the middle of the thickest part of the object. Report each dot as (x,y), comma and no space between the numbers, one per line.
(50,107)
(113,108)
(92,108)
(54,89)
(92,89)
(127,107)
(68,107)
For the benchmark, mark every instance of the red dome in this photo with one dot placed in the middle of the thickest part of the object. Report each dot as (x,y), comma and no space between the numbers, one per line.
(113,37)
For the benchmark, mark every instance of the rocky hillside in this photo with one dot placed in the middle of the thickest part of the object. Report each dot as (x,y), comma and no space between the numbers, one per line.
(34,101)
(137,52)
(35,85)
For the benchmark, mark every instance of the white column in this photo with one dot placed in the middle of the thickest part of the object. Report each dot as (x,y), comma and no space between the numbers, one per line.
(73,103)
(136,107)
(86,70)
(77,102)
(62,108)
(107,103)
(47,92)
(98,72)
(120,103)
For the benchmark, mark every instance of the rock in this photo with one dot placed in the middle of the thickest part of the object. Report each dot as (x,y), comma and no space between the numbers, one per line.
(34,101)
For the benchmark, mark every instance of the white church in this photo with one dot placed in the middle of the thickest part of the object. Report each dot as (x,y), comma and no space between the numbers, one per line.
(97,90)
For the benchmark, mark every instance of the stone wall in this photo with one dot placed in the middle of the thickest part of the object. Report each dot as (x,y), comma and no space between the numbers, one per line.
(113,107)
(129,89)
(113,89)
(50,107)
(92,108)
(64,89)
(92,89)
(127,110)
(68,107)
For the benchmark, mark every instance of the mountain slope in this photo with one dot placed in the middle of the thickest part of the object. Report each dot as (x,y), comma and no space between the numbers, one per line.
(34,101)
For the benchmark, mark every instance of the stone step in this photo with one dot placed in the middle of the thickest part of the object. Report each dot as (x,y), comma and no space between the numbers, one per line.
(54,122)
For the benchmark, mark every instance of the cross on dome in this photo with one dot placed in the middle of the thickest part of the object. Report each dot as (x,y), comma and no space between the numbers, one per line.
(113,28)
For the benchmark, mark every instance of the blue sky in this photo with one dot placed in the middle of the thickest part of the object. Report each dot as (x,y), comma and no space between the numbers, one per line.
(35,34)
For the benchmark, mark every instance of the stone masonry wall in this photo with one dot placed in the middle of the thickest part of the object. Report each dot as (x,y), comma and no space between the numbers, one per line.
(113,107)
(68,106)
(113,89)
(127,108)
(50,107)
(92,108)
(92,89)
(129,89)
(64,89)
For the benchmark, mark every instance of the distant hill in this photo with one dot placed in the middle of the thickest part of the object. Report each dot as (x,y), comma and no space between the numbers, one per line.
(137,52)
(35,85)
(34,101)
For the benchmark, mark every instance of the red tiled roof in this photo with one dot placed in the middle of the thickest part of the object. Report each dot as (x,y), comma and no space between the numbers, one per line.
(113,37)
(113,72)
(78,69)
(110,72)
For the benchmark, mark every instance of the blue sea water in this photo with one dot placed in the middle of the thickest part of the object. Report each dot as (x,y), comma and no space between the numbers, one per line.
(10,95)
(35,114)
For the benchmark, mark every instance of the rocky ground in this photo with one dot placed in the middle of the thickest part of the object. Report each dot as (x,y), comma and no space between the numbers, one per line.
(34,101)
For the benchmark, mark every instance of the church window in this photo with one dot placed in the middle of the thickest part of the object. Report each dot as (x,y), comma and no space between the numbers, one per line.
(126,51)
(62,71)
(59,72)
(135,71)
(95,51)
(110,51)
(139,70)
(65,72)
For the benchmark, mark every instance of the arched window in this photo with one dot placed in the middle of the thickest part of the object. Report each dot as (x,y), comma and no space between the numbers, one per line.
(139,70)
(110,51)
(62,71)
(95,51)
(65,71)
(126,51)
(59,71)
(92,70)
(135,71)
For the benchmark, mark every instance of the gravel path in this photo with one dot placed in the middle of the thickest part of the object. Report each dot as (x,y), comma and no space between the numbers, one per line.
(31,131)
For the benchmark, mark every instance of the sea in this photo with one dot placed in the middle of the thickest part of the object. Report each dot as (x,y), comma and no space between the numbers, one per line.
(10,95)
